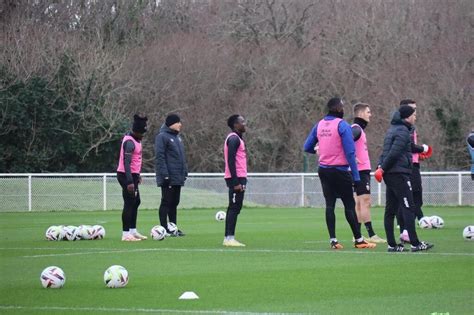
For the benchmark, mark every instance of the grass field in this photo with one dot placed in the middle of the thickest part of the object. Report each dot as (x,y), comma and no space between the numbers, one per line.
(287,267)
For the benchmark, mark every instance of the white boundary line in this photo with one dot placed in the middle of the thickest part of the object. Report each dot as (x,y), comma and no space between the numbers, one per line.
(130,310)
(229,250)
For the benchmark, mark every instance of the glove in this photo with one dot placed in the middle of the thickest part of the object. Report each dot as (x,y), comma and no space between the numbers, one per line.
(378,175)
(427,153)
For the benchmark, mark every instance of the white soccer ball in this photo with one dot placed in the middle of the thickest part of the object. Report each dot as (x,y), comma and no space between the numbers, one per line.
(173,228)
(158,233)
(437,222)
(85,232)
(468,233)
(98,232)
(69,232)
(52,277)
(116,277)
(220,215)
(54,233)
(425,223)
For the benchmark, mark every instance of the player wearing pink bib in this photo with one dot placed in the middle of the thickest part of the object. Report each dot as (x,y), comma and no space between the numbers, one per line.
(362,116)
(128,175)
(337,169)
(235,159)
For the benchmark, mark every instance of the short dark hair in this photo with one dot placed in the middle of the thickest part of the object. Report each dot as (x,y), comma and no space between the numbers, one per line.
(334,103)
(407,102)
(359,107)
(232,120)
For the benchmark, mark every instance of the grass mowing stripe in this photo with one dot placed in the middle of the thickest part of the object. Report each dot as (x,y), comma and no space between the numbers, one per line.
(130,310)
(224,250)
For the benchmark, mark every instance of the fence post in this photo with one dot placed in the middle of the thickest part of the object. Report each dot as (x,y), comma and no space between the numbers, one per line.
(302,190)
(460,189)
(29,193)
(104,190)
(379,194)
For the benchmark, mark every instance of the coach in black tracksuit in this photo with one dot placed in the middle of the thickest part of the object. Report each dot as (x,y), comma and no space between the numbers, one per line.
(171,169)
(395,165)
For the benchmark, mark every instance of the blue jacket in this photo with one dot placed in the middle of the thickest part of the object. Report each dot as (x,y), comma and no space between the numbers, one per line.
(345,132)
(170,159)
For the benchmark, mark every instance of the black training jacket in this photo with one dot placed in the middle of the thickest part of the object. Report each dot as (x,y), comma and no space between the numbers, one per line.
(170,159)
(397,147)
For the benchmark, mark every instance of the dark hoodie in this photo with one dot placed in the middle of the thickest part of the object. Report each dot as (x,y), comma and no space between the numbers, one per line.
(396,156)
(170,159)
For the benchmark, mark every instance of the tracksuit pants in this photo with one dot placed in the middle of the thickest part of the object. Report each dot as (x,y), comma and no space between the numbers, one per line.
(170,196)
(399,196)
(131,202)
(338,184)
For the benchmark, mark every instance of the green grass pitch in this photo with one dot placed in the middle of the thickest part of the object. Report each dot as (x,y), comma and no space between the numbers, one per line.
(287,266)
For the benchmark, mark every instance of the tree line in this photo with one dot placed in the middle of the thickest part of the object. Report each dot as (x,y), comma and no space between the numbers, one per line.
(73,73)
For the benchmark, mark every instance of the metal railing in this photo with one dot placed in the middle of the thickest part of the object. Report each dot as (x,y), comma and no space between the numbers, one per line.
(94,191)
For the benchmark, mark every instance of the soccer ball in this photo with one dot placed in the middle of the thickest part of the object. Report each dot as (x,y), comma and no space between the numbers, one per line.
(116,277)
(425,223)
(69,232)
(437,222)
(468,233)
(158,233)
(220,216)
(54,233)
(85,232)
(98,232)
(172,228)
(52,277)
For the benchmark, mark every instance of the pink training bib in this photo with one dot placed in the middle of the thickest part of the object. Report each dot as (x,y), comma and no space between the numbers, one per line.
(331,152)
(240,158)
(362,152)
(136,164)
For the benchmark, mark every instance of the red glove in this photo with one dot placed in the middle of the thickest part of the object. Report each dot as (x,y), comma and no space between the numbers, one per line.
(379,175)
(427,154)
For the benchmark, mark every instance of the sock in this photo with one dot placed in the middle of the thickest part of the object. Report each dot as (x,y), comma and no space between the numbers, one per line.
(133,231)
(230,237)
(333,240)
(125,233)
(368,226)
(361,239)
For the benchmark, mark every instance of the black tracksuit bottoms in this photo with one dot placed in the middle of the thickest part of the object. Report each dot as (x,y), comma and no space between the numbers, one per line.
(170,196)
(338,184)
(131,201)
(399,196)
(417,189)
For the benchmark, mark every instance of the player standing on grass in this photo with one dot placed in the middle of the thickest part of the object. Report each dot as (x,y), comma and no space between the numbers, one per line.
(235,158)
(362,116)
(419,152)
(336,154)
(128,175)
(395,167)
(171,170)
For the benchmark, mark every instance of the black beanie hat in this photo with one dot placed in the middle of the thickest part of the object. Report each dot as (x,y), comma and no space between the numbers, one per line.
(172,119)
(406,111)
(139,124)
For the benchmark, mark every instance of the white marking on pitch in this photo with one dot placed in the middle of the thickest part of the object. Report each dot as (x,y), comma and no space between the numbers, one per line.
(247,250)
(130,310)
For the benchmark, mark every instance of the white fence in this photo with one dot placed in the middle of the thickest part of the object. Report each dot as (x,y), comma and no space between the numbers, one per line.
(50,192)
